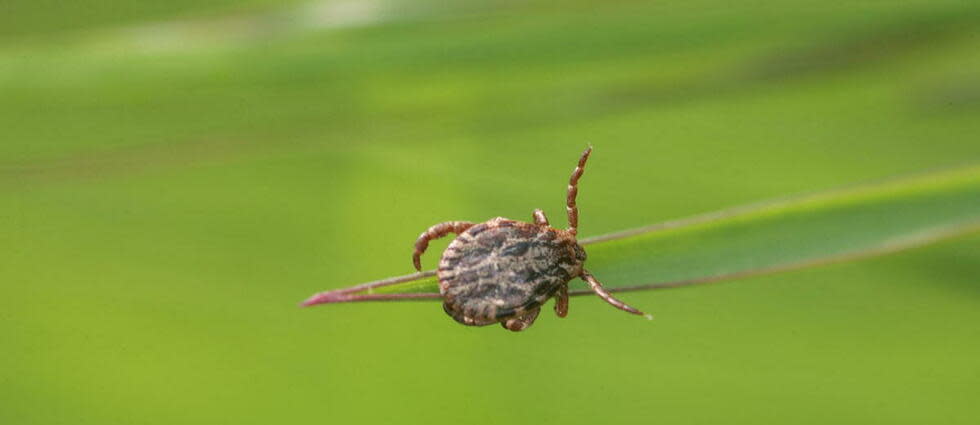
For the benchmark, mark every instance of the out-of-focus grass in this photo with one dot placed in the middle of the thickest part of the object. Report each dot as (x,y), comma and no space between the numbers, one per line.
(167,195)
(20,19)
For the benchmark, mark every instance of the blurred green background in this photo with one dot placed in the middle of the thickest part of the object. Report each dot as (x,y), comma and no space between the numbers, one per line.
(176,176)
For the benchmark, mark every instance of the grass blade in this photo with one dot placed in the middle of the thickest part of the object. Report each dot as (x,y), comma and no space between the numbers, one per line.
(833,226)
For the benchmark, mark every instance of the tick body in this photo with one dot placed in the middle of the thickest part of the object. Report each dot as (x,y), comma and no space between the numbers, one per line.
(503,271)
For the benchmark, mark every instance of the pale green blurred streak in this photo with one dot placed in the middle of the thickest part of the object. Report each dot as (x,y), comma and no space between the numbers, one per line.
(163,207)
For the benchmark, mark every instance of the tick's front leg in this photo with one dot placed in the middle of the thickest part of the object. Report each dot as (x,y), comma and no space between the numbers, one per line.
(436,232)
(570,205)
(605,295)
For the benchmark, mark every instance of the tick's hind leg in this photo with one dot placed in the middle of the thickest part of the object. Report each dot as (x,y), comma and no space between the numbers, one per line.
(436,232)
(522,321)
(540,218)
(605,295)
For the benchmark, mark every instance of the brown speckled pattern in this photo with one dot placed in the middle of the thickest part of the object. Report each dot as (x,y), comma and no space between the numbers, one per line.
(504,268)
(502,271)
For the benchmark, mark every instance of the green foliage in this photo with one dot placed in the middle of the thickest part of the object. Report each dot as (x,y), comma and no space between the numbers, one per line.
(168,191)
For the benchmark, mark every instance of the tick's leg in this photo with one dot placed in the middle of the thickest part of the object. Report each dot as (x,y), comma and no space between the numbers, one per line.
(561,301)
(602,293)
(436,232)
(521,322)
(573,192)
(539,217)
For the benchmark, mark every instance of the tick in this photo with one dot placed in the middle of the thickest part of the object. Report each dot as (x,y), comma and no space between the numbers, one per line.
(503,271)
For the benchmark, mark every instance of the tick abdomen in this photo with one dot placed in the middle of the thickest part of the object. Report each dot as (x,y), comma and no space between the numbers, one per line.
(502,271)
(502,268)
